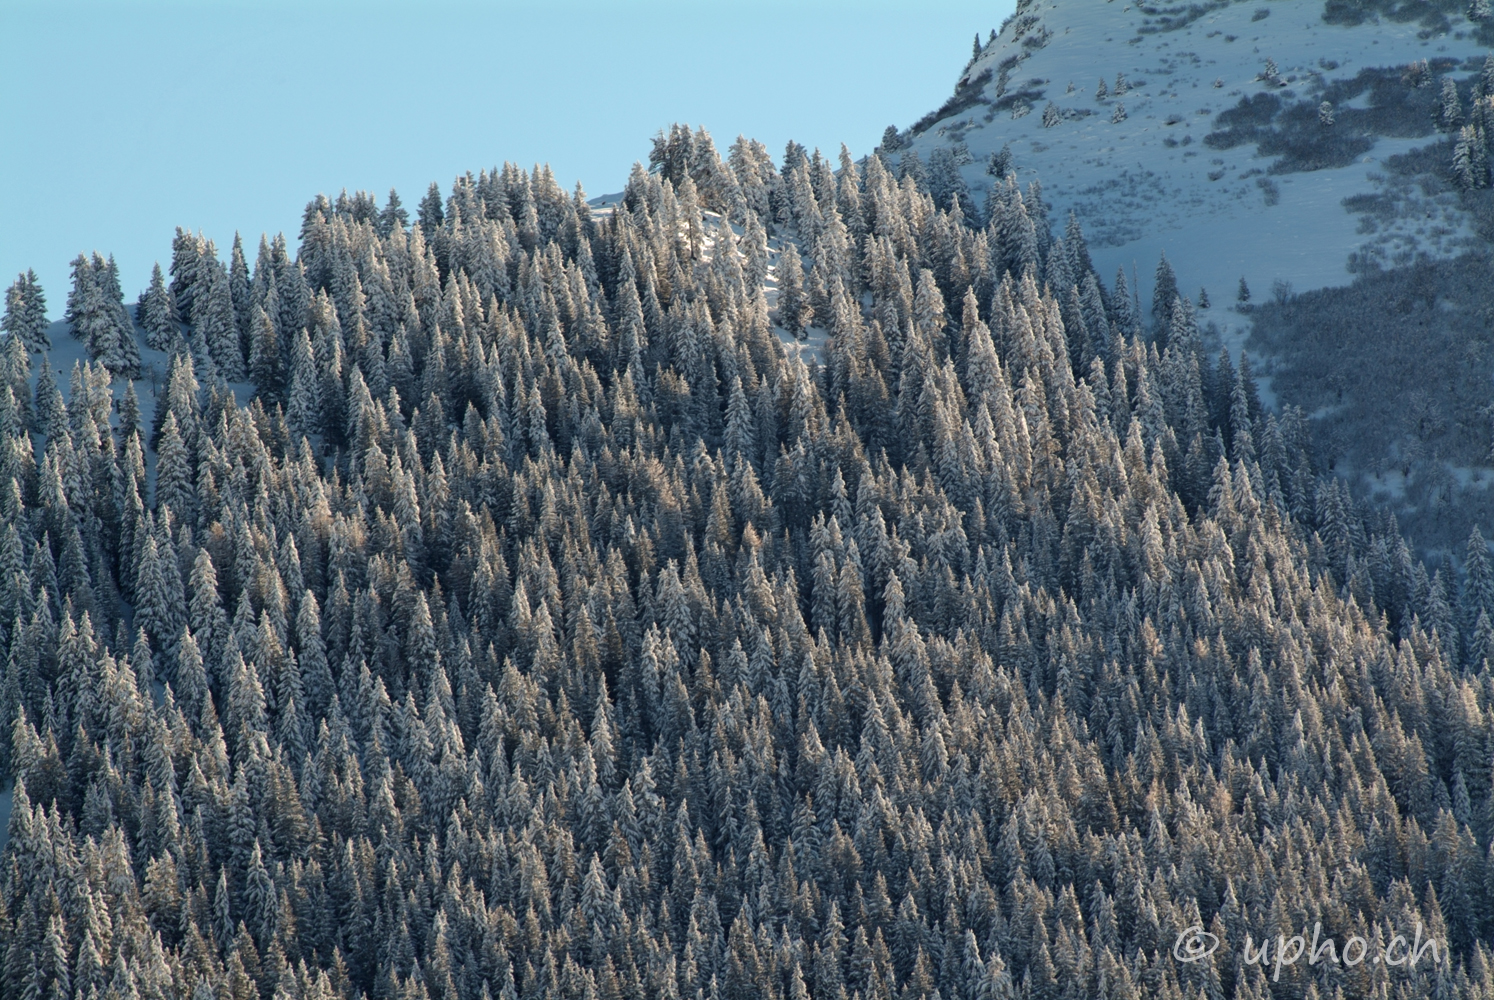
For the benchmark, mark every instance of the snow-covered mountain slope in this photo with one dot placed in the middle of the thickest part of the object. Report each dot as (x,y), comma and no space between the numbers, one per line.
(1216,148)
(1226,207)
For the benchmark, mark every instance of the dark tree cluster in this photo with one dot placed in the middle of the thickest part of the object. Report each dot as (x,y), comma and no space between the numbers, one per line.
(1474,132)
(26,312)
(539,629)
(96,312)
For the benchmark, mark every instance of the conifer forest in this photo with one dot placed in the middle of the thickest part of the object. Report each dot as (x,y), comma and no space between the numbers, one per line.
(787,580)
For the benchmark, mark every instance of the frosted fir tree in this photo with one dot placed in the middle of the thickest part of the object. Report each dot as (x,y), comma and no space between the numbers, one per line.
(1000,162)
(120,350)
(1450,112)
(36,312)
(123,354)
(740,439)
(1125,317)
(87,311)
(14,320)
(303,405)
(430,213)
(130,419)
(157,314)
(186,253)
(1243,295)
(1480,10)
(1479,149)
(929,315)
(1164,290)
(1121,86)
(1325,114)
(265,365)
(393,217)
(945,180)
(239,288)
(1119,114)
(51,411)
(910,164)
(794,310)
(174,480)
(1102,91)
(1463,158)
(754,246)
(1051,115)
(26,313)
(215,326)
(158,595)
(1182,325)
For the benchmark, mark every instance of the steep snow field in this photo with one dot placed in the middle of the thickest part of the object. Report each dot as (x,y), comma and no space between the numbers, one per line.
(1149,183)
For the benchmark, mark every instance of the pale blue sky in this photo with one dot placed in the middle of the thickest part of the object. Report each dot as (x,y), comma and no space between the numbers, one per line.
(125,119)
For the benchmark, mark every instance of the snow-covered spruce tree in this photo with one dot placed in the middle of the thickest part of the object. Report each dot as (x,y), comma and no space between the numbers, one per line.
(910,165)
(239,289)
(1119,114)
(1450,110)
(174,480)
(946,181)
(83,310)
(95,311)
(214,324)
(156,313)
(26,313)
(121,348)
(1125,317)
(302,406)
(794,311)
(266,366)
(430,213)
(1164,290)
(186,252)
(999,163)
(392,217)
(740,439)
(159,600)
(1467,165)
(1462,158)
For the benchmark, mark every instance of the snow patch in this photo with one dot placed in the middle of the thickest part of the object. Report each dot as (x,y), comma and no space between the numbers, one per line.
(1149,183)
